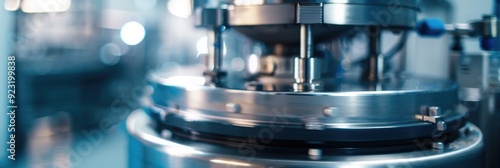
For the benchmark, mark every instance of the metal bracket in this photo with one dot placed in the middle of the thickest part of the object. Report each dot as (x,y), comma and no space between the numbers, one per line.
(434,115)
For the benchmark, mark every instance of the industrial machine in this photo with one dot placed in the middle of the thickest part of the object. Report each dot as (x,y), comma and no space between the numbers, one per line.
(306,84)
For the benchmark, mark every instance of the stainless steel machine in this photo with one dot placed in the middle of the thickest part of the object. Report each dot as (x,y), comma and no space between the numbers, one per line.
(307,85)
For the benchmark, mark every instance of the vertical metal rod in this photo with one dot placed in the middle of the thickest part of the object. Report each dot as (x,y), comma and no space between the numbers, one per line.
(213,73)
(306,41)
(215,53)
(305,69)
(374,69)
(302,65)
(496,6)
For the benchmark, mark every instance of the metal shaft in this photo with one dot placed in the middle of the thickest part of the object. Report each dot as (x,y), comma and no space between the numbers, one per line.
(214,73)
(374,68)
(215,45)
(303,69)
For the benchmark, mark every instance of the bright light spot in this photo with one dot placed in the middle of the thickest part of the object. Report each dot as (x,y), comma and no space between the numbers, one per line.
(180,8)
(12,5)
(110,54)
(248,2)
(202,45)
(132,33)
(182,152)
(145,4)
(253,63)
(45,6)
(341,1)
(190,117)
(237,64)
(228,162)
(186,81)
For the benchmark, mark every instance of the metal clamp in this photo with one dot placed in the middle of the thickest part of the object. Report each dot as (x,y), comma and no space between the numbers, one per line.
(434,115)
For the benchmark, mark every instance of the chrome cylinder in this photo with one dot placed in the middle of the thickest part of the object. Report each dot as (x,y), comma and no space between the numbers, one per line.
(162,148)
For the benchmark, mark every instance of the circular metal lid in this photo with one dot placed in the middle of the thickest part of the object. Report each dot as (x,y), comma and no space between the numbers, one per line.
(352,102)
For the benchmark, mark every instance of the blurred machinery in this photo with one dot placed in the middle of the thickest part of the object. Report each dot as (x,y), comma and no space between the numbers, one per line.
(302,83)
(72,69)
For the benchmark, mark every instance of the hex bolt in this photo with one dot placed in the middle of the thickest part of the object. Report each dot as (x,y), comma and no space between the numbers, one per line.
(233,108)
(434,111)
(438,145)
(441,126)
(328,111)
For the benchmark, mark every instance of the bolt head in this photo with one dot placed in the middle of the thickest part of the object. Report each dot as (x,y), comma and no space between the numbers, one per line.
(438,145)
(441,126)
(434,111)
(232,107)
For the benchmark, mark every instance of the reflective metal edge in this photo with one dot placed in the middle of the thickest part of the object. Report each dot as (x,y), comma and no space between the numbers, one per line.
(333,13)
(354,107)
(148,148)
(405,3)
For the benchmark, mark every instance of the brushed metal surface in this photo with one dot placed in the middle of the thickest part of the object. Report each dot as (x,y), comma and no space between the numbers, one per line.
(395,101)
(152,148)
(262,15)
(405,3)
(385,14)
(361,15)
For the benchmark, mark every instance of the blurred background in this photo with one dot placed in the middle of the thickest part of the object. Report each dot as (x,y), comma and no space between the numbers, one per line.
(81,67)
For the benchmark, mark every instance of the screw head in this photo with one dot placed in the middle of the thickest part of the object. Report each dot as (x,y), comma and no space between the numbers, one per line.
(329,111)
(232,107)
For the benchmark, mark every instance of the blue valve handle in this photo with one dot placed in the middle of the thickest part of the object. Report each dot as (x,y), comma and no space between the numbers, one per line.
(431,27)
